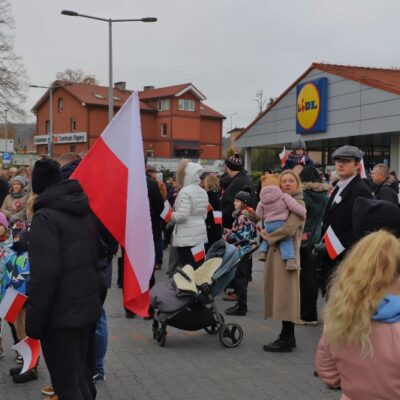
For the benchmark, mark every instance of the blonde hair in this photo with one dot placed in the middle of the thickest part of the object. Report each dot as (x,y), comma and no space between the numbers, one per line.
(268,180)
(180,171)
(294,175)
(29,205)
(358,286)
(211,182)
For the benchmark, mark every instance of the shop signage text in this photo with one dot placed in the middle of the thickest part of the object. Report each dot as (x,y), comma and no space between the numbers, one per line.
(59,138)
(311,106)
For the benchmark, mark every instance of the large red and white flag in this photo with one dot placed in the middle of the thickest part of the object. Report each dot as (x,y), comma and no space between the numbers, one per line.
(113,177)
(282,156)
(198,252)
(167,212)
(29,349)
(332,243)
(11,305)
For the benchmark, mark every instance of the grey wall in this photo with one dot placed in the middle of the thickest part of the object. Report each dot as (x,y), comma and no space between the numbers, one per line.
(353,109)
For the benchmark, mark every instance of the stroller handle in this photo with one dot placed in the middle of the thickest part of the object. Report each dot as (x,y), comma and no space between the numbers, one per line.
(183,273)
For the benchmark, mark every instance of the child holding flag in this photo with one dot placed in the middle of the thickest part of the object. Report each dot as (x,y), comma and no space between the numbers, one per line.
(243,228)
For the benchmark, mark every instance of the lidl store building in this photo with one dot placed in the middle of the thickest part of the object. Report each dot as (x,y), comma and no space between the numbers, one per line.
(330,106)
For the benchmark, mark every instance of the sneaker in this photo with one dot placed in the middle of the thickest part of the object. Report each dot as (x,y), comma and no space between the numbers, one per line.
(280,346)
(230,297)
(238,309)
(307,323)
(99,377)
(27,376)
(18,359)
(48,390)
(15,371)
(262,256)
(291,265)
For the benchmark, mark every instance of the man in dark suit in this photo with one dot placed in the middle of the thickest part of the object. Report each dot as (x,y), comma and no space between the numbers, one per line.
(339,210)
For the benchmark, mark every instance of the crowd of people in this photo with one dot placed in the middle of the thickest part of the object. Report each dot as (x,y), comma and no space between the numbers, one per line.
(335,232)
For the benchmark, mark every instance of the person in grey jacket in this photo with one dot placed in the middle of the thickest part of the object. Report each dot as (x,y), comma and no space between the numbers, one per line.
(385,184)
(190,212)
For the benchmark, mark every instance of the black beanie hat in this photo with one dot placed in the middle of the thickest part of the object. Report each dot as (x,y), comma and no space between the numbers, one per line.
(244,195)
(235,162)
(372,215)
(46,173)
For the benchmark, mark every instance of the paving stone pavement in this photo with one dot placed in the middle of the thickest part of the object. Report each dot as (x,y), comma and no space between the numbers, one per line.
(194,365)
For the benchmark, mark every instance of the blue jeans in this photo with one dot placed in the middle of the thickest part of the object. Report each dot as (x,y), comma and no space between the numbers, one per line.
(286,246)
(101,341)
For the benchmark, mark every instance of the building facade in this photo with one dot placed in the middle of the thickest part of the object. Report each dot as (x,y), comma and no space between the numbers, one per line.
(332,105)
(175,121)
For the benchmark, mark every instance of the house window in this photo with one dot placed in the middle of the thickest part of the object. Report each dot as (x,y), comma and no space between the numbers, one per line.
(186,105)
(73,124)
(149,153)
(72,148)
(163,105)
(163,130)
(47,126)
(60,104)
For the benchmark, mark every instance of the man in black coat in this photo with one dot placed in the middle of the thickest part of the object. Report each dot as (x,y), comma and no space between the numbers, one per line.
(385,184)
(339,210)
(63,293)
(239,180)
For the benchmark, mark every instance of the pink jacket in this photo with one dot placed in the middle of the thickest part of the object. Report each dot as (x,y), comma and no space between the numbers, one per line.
(369,378)
(274,205)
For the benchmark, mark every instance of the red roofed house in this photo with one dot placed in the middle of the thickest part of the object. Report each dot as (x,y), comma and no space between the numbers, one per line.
(175,121)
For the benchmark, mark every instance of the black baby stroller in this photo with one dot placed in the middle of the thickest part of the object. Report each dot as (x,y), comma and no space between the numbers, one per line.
(186,301)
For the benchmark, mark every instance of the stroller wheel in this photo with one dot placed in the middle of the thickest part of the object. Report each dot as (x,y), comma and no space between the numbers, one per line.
(215,327)
(231,335)
(154,329)
(161,337)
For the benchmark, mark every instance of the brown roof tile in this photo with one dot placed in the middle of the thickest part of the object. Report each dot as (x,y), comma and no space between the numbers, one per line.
(167,91)
(206,111)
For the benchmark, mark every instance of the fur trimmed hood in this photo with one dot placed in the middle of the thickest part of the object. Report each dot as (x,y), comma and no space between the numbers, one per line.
(317,186)
(188,173)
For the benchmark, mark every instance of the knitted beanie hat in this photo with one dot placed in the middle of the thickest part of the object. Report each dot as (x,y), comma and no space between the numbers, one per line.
(20,179)
(244,196)
(46,173)
(235,162)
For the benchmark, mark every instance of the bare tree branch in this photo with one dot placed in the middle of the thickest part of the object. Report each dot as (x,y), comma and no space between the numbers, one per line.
(77,76)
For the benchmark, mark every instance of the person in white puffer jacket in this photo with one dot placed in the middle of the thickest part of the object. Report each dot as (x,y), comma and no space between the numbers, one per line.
(190,212)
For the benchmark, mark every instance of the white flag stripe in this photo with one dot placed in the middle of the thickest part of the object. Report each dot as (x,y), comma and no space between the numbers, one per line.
(197,249)
(25,351)
(7,301)
(335,242)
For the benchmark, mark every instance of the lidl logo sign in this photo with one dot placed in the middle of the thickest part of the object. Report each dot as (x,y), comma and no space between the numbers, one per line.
(311,107)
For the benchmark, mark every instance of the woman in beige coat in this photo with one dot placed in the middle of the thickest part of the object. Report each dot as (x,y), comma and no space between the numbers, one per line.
(282,286)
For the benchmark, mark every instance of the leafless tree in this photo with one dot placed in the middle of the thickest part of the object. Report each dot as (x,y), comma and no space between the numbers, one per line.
(13,78)
(262,102)
(77,76)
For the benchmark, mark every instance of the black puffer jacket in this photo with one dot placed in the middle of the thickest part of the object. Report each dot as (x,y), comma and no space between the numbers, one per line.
(62,290)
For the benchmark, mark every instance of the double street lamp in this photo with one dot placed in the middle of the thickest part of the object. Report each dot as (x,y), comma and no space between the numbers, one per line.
(51,131)
(110,65)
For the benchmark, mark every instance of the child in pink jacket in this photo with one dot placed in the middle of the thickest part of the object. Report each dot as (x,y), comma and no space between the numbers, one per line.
(274,208)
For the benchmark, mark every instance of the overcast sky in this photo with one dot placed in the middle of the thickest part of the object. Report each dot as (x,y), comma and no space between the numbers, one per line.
(229,49)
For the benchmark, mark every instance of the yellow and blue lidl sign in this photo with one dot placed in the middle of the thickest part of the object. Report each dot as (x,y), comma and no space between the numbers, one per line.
(311,107)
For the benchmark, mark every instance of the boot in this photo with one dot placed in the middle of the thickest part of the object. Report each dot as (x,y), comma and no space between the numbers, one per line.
(262,256)
(238,309)
(27,376)
(291,265)
(281,345)
(15,371)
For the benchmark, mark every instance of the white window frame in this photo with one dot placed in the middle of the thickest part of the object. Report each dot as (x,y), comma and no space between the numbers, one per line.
(60,105)
(164,133)
(73,124)
(187,105)
(163,105)
(149,153)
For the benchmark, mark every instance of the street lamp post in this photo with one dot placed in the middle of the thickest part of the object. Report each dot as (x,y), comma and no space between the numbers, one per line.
(5,129)
(51,131)
(110,63)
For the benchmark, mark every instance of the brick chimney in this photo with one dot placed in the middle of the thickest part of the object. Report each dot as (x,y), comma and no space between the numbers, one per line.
(148,87)
(120,86)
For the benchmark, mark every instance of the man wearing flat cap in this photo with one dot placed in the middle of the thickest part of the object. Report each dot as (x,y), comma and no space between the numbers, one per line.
(339,210)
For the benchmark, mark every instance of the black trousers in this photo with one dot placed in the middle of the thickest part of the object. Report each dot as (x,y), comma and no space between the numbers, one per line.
(65,352)
(308,286)
(241,280)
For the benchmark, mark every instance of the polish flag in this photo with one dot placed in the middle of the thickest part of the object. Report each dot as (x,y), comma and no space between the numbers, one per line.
(113,177)
(209,207)
(282,156)
(167,212)
(332,243)
(198,252)
(29,349)
(363,175)
(217,217)
(11,305)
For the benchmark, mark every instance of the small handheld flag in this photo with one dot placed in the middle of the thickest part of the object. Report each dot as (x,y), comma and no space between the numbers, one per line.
(332,243)
(209,207)
(167,212)
(29,349)
(217,217)
(12,304)
(363,174)
(198,252)
(282,156)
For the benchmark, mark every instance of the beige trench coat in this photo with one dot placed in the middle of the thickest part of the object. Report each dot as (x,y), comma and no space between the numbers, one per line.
(282,287)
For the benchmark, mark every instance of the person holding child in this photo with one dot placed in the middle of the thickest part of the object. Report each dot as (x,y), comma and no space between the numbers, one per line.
(282,286)
(273,208)
(243,228)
